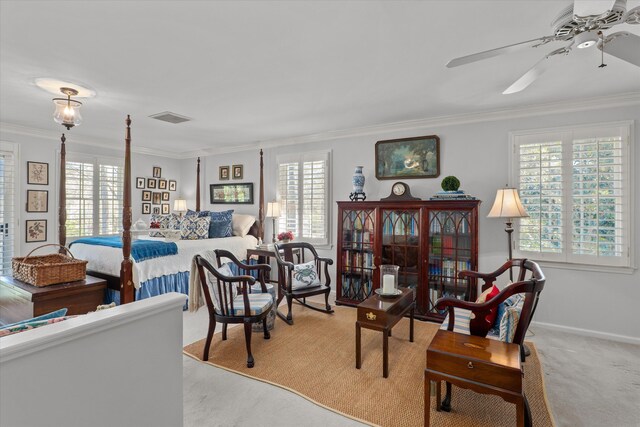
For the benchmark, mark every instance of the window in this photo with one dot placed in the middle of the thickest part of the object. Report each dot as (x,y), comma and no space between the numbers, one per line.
(303,191)
(8,153)
(94,196)
(575,186)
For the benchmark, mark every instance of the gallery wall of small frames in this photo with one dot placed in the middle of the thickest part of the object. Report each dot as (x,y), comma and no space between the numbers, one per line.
(156,192)
(37,201)
(231,172)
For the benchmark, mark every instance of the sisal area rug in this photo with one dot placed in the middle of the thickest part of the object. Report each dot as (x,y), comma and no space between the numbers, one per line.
(315,358)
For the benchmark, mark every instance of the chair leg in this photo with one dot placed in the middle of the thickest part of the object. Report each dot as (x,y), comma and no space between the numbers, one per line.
(267,335)
(326,303)
(247,338)
(224,332)
(289,304)
(446,403)
(207,346)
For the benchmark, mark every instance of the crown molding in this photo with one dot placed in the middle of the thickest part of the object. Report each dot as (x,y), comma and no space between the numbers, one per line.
(576,105)
(14,129)
(562,107)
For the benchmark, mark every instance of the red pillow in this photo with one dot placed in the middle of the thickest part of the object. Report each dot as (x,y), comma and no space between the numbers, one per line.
(487,295)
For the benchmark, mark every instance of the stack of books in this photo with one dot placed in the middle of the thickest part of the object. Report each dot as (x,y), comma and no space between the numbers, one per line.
(452,195)
(265,246)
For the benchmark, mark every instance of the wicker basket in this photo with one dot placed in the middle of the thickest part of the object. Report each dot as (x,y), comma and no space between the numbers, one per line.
(45,270)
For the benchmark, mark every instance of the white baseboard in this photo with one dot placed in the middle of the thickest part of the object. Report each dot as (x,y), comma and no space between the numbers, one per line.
(588,332)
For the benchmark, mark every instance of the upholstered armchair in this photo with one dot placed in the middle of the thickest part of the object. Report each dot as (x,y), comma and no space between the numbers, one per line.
(299,280)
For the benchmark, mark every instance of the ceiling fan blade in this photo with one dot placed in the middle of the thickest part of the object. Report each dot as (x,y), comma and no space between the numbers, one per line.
(535,71)
(463,60)
(632,16)
(623,45)
(584,8)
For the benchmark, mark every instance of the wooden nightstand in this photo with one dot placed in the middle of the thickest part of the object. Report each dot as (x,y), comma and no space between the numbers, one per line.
(20,301)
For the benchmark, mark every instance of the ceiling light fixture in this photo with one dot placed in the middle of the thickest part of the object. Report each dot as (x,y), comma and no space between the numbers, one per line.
(67,111)
(586,39)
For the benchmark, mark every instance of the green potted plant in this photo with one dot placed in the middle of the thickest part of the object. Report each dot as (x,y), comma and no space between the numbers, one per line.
(450,183)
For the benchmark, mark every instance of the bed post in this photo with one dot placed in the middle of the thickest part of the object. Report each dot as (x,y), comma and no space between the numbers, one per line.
(261,207)
(198,186)
(127,293)
(62,208)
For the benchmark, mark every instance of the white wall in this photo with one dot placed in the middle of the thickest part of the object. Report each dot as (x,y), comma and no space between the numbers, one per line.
(478,154)
(40,147)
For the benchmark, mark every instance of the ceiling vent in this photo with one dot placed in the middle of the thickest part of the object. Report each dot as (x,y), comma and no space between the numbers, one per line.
(170,117)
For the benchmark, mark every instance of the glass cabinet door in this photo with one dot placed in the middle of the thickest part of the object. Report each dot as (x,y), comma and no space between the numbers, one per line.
(450,251)
(358,238)
(401,244)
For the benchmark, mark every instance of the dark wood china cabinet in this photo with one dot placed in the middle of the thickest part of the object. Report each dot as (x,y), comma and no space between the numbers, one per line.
(431,241)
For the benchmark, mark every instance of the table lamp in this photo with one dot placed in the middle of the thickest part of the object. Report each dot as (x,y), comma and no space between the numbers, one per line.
(180,206)
(273,212)
(507,205)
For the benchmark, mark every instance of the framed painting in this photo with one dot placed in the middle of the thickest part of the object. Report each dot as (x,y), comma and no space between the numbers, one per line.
(37,173)
(173,185)
(156,210)
(165,196)
(36,230)
(146,208)
(157,198)
(224,172)
(236,171)
(151,183)
(165,208)
(157,172)
(162,184)
(146,196)
(417,157)
(232,193)
(37,201)
(140,182)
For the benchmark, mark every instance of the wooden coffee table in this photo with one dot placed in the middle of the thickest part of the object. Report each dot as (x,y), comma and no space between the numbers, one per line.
(476,363)
(381,314)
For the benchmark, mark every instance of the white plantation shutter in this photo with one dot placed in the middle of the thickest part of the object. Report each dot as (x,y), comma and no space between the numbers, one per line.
(94,189)
(574,184)
(303,191)
(7,206)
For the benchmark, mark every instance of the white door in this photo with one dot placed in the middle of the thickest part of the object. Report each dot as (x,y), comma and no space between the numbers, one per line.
(7,209)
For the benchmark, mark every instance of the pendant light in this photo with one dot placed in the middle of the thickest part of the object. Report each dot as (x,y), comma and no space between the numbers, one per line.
(67,110)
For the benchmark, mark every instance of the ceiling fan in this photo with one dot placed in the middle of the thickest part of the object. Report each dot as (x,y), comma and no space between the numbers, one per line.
(581,24)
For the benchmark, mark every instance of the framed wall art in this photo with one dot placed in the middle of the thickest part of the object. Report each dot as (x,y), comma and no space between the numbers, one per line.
(151,183)
(140,182)
(417,157)
(165,196)
(37,173)
(157,198)
(232,193)
(162,184)
(146,196)
(36,230)
(156,210)
(173,185)
(37,201)
(224,172)
(146,208)
(166,208)
(237,171)
(157,172)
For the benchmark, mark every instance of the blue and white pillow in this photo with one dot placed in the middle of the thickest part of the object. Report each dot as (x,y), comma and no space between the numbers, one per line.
(221,224)
(509,323)
(304,276)
(512,301)
(194,228)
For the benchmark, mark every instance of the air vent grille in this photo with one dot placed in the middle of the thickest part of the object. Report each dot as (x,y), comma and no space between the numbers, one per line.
(170,117)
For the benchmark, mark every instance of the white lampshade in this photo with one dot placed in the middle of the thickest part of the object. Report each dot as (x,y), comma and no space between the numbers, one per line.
(507,205)
(273,210)
(180,205)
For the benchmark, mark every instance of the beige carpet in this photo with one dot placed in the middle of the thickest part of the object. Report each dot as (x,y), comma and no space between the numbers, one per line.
(315,358)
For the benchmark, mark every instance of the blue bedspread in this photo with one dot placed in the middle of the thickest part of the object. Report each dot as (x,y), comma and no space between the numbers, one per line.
(140,249)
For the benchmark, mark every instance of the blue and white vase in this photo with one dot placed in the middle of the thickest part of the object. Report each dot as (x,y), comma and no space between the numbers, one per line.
(358,180)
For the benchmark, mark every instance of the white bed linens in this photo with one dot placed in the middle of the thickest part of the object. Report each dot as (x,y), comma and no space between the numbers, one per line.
(107,260)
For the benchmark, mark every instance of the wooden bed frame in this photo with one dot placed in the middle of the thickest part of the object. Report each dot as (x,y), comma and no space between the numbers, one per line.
(125,282)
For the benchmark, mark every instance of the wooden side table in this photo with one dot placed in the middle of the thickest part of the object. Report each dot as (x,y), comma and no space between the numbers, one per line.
(21,301)
(381,314)
(476,363)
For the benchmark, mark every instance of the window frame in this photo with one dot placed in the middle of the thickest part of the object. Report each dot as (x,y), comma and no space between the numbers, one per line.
(300,158)
(567,134)
(96,161)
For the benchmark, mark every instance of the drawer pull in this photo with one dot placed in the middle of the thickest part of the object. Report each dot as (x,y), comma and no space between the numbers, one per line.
(470,365)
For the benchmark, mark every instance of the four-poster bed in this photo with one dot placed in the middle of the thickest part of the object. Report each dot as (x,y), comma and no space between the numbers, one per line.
(167,272)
